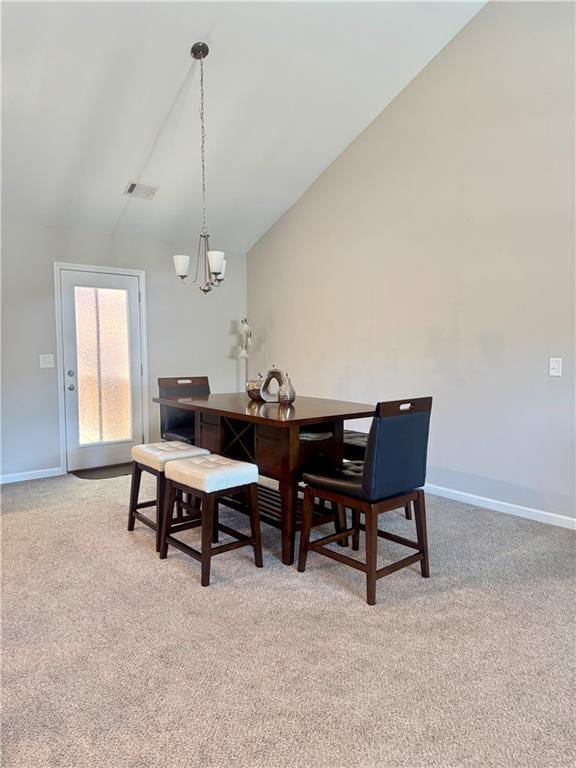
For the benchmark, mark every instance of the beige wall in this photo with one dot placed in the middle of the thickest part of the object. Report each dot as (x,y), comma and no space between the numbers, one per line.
(188,333)
(436,256)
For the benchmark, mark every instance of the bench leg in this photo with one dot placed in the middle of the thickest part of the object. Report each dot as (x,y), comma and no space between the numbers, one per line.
(160,493)
(408,511)
(169,499)
(207,532)
(255,524)
(134,493)
(215,523)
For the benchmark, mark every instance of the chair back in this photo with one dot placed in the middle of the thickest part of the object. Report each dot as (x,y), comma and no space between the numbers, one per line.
(397,448)
(181,386)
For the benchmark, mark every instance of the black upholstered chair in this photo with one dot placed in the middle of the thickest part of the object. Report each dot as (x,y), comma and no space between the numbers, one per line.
(391,477)
(355,451)
(176,423)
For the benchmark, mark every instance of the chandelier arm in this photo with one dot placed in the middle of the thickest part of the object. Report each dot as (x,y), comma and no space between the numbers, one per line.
(198,260)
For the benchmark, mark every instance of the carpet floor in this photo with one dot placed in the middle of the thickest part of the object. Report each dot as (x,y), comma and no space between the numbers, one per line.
(115,659)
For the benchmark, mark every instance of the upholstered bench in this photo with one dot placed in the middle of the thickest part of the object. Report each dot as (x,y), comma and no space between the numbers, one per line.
(152,458)
(208,478)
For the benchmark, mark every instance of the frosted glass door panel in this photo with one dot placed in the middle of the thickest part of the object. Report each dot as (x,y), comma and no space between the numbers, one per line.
(102,366)
(103,375)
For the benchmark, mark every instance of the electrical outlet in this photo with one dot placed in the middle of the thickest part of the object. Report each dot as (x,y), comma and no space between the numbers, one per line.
(555,366)
(46,361)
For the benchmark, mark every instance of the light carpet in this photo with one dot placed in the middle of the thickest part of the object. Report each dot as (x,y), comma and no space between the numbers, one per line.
(115,659)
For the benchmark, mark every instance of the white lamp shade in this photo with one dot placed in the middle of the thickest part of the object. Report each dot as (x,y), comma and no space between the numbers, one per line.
(243,354)
(223,270)
(181,264)
(216,261)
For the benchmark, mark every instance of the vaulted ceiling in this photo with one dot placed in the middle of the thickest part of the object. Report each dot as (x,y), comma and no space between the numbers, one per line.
(97,95)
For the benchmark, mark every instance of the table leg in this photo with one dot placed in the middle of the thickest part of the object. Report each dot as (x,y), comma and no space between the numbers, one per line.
(289,494)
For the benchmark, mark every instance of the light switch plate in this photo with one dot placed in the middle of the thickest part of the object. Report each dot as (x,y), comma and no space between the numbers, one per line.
(555,366)
(46,361)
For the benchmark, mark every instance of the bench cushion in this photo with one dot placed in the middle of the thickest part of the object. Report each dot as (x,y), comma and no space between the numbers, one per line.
(211,473)
(155,455)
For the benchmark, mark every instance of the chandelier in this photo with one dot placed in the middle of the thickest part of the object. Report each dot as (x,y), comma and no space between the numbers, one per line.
(210,265)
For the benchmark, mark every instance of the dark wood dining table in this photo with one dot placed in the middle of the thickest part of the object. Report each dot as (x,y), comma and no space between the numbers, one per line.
(279,439)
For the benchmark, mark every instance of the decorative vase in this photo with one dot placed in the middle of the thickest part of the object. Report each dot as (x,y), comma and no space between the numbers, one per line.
(286,393)
(253,387)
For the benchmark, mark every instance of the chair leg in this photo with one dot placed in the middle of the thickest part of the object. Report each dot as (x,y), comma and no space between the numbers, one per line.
(306,528)
(356,526)
(421,533)
(169,499)
(408,511)
(160,501)
(371,518)
(207,529)
(255,525)
(340,521)
(134,492)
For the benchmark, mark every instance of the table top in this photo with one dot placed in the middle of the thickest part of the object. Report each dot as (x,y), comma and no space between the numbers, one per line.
(304,410)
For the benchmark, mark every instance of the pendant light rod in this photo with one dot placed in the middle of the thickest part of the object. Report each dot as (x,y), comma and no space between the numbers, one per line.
(211,263)
(199,51)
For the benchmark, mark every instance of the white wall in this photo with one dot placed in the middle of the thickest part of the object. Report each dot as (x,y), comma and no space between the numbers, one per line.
(188,333)
(436,257)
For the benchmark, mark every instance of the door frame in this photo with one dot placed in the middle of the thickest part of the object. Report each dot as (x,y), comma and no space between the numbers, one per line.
(59,267)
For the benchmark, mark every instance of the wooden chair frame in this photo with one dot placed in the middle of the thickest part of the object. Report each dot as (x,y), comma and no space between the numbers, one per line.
(182,382)
(370,527)
(180,386)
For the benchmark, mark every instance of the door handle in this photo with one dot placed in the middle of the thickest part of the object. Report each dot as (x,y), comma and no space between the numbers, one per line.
(71,387)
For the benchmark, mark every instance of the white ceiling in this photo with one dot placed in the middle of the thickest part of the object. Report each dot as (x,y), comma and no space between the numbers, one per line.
(100,94)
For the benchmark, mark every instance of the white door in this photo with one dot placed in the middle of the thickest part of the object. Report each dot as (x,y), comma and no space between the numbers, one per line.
(102,359)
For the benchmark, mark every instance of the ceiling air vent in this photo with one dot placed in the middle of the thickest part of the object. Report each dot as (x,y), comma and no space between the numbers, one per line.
(143,191)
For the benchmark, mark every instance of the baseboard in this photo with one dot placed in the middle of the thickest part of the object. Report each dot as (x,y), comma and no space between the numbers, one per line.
(503,506)
(437,490)
(35,474)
